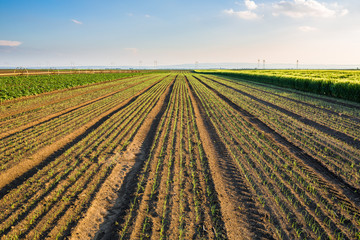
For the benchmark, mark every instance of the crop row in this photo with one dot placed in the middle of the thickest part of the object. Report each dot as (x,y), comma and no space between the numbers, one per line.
(337,120)
(174,197)
(20,145)
(339,156)
(300,204)
(50,202)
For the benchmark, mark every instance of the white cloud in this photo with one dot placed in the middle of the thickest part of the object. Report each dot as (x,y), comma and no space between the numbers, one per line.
(307,29)
(147,16)
(76,21)
(246,15)
(10,43)
(307,8)
(132,50)
(251,5)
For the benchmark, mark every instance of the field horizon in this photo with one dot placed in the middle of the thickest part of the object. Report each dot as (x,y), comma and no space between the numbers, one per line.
(193,66)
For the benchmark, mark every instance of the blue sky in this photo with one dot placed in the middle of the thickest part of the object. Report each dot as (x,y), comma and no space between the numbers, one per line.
(54,33)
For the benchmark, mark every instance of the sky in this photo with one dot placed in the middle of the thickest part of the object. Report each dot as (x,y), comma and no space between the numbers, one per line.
(52,33)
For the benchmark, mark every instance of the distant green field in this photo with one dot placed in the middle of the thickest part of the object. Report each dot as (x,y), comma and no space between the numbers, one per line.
(19,86)
(343,84)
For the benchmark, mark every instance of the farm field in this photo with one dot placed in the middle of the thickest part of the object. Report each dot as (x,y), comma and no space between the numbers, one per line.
(34,83)
(343,84)
(179,155)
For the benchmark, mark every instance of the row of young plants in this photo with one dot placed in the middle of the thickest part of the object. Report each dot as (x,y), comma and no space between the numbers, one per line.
(302,202)
(338,156)
(161,177)
(169,185)
(331,83)
(27,110)
(19,86)
(200,167)
(128,220)
(209,110)
(335,120)
(195,178)
(16,147)
(198,214)
(49,203)
(168,158)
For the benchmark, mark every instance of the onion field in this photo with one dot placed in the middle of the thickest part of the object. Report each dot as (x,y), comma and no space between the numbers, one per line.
(179,155)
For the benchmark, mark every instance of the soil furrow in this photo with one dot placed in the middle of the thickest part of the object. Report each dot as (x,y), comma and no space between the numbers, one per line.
(117,210)
(220,167)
